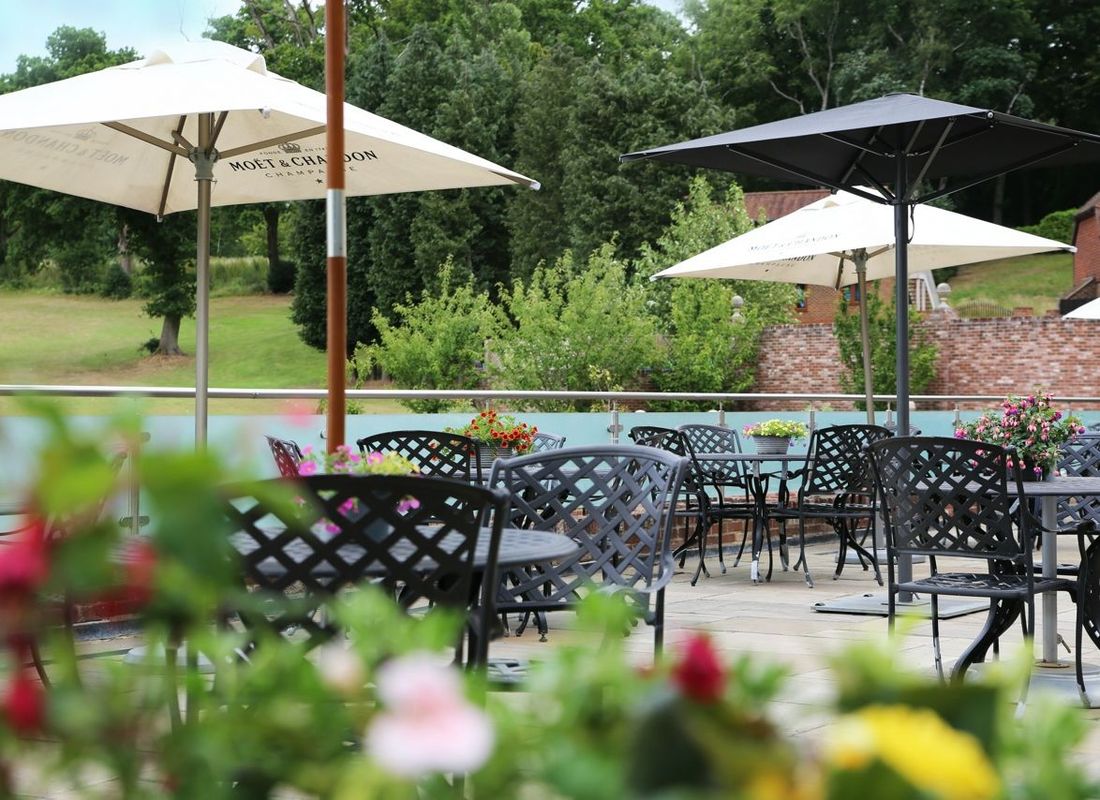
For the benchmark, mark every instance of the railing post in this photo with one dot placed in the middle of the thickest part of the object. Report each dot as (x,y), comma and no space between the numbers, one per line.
(958,417)
(722,417)
(134,521)
(614,428)
(812,420)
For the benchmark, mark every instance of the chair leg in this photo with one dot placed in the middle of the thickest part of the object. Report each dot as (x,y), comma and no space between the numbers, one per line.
(721,558)
(1082,690)
(1021,704)
(744,539)
(802,552)
(935,610)
(659,624)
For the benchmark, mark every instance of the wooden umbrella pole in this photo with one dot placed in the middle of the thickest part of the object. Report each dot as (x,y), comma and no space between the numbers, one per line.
(337,327)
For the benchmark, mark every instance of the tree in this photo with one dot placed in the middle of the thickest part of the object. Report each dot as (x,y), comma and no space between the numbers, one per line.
(35,224)
(574,326)
(438,342)
(882,330)
(168,248)
(706,348)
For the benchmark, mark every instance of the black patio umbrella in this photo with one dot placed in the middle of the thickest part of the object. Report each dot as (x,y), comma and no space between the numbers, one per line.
(912,149)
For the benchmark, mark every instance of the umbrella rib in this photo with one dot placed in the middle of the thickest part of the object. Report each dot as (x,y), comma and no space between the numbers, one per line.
(935,151)
(168,173)
(146,137)
(218,127)
(1025,162)
(871,179)
(801,173)
(290,137)
(864,148)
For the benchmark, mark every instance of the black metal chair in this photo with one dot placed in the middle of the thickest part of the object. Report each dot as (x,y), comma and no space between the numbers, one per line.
(547,441)
(693,503)
(287,455)
(611,500)
(723,476)
(949,498)
(312,537)
(836,487)
(435,453)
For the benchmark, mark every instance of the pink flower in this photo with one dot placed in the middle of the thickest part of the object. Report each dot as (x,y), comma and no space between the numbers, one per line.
(340,668)
(699,674)
(299,413)
(24,565)
(307,468)
(428,725)
(407,504)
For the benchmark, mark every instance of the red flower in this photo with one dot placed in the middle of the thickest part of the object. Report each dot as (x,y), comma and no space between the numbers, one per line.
(699,674)
(25,705)
(24,565)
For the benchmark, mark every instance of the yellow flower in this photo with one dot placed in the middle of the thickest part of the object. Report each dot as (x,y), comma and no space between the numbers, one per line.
(918,745)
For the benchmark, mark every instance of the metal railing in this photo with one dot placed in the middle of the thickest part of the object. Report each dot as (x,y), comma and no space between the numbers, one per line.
(719,399)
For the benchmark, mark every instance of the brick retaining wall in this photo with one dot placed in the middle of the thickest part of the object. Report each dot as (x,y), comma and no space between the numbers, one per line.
(976,356)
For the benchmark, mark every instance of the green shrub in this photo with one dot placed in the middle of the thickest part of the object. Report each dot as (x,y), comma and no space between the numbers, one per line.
(280,279)
(234,277)
(1057,225)
(115,284)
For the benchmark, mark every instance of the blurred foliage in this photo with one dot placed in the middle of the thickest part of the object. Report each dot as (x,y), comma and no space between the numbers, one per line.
(592,724)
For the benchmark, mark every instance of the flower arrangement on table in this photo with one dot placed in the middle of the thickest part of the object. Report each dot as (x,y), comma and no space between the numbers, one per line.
(781,428)
(344,461)
(1031,426)
(499,430)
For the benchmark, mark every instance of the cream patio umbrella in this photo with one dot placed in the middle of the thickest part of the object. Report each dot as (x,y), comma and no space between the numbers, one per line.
(123,135)
(844,239)
(1090,310)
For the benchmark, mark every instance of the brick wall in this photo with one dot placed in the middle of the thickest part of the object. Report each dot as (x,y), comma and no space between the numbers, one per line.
(1086,261)
(976,356)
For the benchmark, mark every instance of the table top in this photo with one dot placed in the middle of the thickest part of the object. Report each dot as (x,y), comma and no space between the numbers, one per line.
(1059,486)
(753,457)
(518,547)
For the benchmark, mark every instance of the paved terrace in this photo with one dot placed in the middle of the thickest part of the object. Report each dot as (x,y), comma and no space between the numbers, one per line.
(771,621)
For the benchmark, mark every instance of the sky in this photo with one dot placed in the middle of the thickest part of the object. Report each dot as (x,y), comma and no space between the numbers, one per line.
(141,24)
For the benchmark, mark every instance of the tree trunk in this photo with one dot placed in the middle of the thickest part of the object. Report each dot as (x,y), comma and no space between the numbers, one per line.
(271,217)
(125,260)
(170,337)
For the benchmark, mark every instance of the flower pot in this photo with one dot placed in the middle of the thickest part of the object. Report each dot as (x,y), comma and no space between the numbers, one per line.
(490,453)
(771,445)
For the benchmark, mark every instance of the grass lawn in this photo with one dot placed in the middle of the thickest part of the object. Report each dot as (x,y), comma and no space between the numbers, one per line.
(1033,281)
(60,339)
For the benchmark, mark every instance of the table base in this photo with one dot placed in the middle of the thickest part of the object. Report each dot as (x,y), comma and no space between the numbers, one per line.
(875,604)
(1060,679)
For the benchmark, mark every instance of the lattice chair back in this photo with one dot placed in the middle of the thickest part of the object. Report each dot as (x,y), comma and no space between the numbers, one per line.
(546,441)
(949,497)
(421,538)
(441,455)
(1080,458)
(838,460)
(287,455)
(612,500)
(674,441)
(715,439)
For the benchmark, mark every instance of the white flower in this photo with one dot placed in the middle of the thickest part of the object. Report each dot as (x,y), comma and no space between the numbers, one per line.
(340,668)
(428,725)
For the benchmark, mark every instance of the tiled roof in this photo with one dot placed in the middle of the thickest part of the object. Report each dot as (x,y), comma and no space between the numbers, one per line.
(774,205)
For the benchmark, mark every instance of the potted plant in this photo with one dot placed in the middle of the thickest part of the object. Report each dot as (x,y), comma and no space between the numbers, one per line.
(499,434)
(1031,426)
(773,436)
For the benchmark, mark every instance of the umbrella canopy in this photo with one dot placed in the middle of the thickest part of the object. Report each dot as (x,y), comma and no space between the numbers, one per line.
(123,135)
(1090,310)
(845,239)
(894,143)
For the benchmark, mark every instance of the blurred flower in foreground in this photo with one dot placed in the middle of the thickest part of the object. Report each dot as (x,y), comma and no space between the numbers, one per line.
(919,746)
(699,673)
(25,705)
(428,725)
